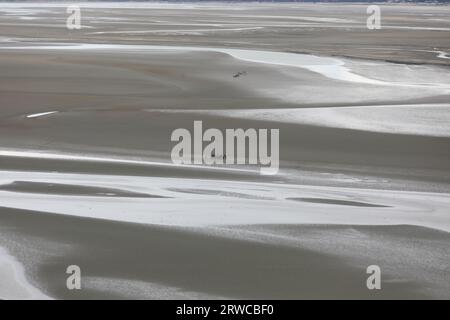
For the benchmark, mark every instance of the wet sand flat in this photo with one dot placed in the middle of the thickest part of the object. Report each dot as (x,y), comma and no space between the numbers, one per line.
(67,189)
(409,33)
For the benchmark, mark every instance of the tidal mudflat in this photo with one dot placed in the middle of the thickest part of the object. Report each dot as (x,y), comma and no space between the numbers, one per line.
(86,175)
